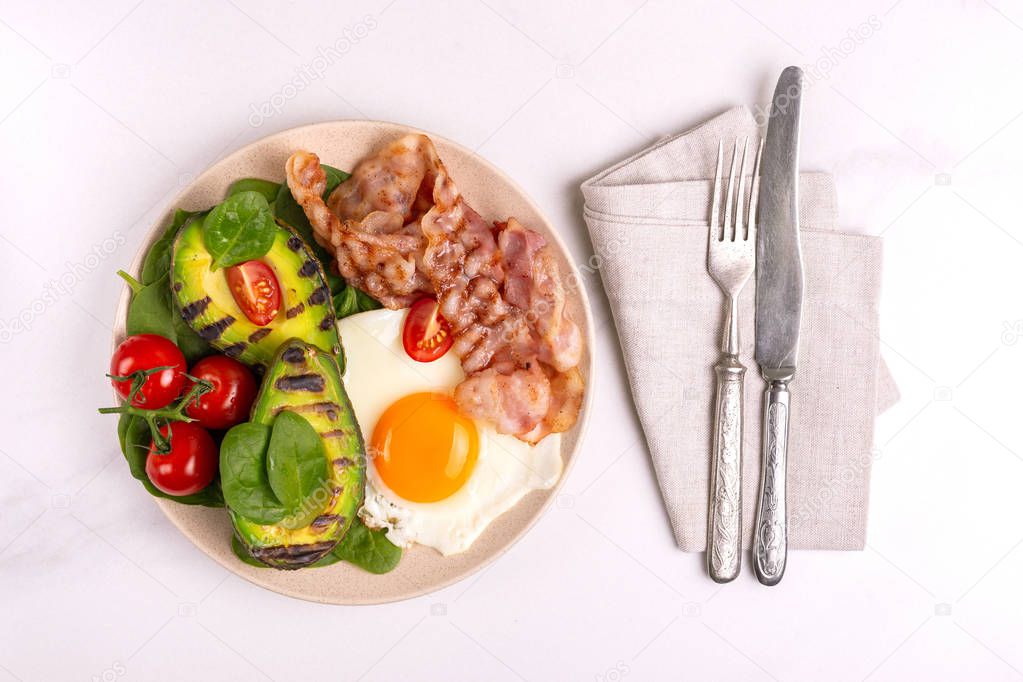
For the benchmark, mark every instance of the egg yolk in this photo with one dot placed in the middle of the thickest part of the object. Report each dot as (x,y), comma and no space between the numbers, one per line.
(423,449)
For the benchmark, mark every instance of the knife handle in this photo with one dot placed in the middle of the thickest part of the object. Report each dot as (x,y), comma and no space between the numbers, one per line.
(770,538)
(724,529)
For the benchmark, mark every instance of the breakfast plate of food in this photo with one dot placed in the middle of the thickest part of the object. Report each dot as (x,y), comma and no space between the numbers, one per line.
(353,362)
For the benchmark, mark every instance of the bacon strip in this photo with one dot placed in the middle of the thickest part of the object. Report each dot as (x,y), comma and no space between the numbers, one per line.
(533,284)
(400,229)
(376,253)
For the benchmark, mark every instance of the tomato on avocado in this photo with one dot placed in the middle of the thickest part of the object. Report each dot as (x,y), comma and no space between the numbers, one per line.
(255,290)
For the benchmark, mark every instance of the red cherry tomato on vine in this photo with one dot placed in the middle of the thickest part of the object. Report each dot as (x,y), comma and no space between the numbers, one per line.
(191,463)
(234,389)
(426,335)
(255,289)
(143,352)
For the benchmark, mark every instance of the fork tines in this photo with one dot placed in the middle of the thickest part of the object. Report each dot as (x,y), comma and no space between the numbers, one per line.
(739,228)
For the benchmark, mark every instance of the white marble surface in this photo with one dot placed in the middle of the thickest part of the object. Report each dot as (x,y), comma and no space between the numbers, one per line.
(108,108)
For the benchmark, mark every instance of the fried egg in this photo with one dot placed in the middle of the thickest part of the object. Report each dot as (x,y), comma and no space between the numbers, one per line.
(434,476)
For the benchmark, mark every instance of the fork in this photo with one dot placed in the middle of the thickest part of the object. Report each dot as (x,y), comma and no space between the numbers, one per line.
(730,262)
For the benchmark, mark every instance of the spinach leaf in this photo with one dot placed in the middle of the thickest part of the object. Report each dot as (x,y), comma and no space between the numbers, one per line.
(270,473)
(265,187)
(350,301)
(240,228)
(368,549)
(123,422)
(149,311)
(346,303)
(243,474)
(157,262)
(152,311)
(366,302)
(134,436)
(296,462)
(135,440)
(335,176)
(287,211)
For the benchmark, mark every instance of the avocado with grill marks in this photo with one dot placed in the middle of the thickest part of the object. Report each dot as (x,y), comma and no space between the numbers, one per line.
(307,381)
(206,303)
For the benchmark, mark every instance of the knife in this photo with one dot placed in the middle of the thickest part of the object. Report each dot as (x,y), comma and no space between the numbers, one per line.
(779,301)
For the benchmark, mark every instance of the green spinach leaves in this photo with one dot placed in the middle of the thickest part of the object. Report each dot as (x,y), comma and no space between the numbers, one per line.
(151,311)
(238,229)
(350,301)
(296,461)
(244,477)
(157,262)
(368,549)
(270,473)
(265,187)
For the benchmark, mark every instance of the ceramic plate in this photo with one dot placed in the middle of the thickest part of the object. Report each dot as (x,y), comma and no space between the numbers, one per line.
(342,144)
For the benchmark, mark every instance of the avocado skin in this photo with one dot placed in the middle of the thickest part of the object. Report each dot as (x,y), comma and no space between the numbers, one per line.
(205,302)
(306,380)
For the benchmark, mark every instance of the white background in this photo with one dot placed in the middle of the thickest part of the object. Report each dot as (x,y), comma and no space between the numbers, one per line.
(107,110)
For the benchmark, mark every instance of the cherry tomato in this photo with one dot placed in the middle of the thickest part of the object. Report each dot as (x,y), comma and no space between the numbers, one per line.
(426,335)
(234,389)
(255,289)
(148,351)
(191,463)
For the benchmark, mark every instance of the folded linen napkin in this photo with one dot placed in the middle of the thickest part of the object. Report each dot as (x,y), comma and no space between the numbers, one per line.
(648,218)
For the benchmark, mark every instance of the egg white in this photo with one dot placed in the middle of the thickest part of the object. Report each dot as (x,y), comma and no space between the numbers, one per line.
(379,372)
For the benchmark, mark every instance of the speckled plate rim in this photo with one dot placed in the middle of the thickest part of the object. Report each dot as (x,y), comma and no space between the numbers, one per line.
(186,518)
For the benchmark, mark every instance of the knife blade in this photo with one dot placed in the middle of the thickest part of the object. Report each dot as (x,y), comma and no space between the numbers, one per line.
(779,301)
(779,262)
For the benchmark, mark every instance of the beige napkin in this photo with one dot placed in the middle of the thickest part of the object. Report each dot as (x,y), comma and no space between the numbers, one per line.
(647,218)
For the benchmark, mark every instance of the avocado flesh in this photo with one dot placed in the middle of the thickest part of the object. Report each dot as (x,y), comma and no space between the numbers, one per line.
(305,380)
(206,303)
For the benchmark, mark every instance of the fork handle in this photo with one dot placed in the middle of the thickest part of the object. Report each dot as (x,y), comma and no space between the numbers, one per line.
(770,537)
(724,529)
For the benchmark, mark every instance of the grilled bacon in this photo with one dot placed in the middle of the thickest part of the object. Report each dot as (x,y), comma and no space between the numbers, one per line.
(400,229)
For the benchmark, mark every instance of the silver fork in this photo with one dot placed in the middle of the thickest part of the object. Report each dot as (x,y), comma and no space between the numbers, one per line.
(730,260)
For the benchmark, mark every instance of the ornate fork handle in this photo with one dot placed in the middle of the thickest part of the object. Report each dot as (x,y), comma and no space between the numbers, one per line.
(724,531)
(770,539)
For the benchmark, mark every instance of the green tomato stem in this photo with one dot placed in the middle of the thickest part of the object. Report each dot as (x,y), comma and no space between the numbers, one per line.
(172,413)
(155,419)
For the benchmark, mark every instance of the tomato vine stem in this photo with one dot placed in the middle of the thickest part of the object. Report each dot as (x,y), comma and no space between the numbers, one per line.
(156,419)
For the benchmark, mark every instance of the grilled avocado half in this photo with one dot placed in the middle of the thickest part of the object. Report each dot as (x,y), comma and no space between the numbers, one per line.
(206,303)
(304,379)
